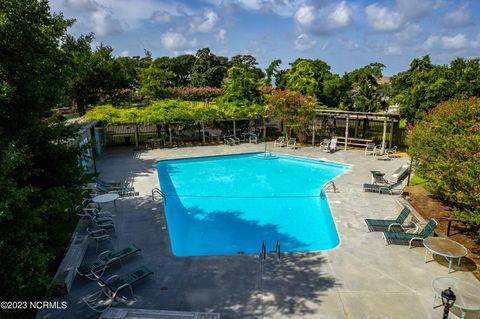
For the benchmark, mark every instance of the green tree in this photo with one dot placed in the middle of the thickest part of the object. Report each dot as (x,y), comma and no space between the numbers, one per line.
(39,168)
(364,92)
(272,71)
(249,64)
(208,69)
(156,82)
(95,75)
(424,85)
(241,96)
(308,77)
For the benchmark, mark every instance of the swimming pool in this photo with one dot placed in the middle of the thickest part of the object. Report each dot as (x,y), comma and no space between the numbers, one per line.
(230,204)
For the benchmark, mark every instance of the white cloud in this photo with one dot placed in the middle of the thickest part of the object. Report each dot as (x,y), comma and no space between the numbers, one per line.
(205,23)
(104,23)
(175,41)
(414,9)
(251,4)
(87,5)
(324,19)
(404,12)
(348,44)
(383,18)
(162,17)
(457,18)
(430,42)
(221,35)
(393,50)
(341,16)
(304,42)
(284,8)
(458,41)
(124,53)
(305,16)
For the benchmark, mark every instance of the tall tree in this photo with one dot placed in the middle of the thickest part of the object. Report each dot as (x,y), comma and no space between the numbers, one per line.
(39,168)
(307,77)
(364,90)
(94,75)
(241,96)
(156,81)
(249,64)
(272,71)
(209,69)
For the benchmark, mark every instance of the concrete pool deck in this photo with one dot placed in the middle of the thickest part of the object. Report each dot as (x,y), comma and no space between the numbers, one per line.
(361,278)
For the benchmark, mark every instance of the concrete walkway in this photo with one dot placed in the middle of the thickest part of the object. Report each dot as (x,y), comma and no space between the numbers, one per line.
(361,278)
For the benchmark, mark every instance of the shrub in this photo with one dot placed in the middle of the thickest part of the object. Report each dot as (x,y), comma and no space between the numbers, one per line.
(446,144)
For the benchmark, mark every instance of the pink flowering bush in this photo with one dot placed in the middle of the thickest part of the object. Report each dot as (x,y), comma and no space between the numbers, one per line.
(446,144)
(188,93)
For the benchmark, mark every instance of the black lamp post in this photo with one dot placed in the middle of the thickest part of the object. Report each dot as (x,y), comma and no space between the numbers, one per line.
(448,299)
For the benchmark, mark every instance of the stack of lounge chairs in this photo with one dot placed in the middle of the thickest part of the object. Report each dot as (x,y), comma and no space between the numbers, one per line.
(395,232)
(120,188)
(110,287)
(94,270)
(381,185)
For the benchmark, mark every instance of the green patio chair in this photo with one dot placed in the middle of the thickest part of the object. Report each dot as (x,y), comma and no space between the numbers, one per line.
(99,235)
(387,224)
(279,142)
(112,185)
(381,188)
(119,191)
(407,238)
(292,143)
(94,270)
(371,148)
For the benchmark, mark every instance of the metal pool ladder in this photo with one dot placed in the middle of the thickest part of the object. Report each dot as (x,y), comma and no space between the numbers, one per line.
(263,253)
(326,186)
(157,191)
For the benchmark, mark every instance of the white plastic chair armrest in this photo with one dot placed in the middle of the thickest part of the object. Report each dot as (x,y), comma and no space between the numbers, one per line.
(414,238)
(393,224)
(104,253)
(98,231)
(111,278)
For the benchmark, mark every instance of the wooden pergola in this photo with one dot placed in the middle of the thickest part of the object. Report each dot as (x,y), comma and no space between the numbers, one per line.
(349,116)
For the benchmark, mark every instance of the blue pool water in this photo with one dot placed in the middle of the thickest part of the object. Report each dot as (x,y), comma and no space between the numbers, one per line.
(229,204)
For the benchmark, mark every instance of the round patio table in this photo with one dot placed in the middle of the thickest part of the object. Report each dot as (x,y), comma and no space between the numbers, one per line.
(107,198)
(444,247)
(468,294)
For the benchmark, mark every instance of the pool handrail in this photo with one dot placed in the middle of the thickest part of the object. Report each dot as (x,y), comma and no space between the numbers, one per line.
(159,192)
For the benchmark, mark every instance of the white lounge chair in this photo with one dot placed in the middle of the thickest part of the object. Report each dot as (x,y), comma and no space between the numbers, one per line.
(333,145)
(325,145)
(292,142)
(279,142)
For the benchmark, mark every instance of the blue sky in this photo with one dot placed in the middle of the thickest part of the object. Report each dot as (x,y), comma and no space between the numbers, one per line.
(345,34)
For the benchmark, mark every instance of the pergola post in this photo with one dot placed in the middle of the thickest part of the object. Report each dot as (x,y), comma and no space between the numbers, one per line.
(203,132)
(391,134)
(264,130)
(170,133)
(136,136)
(384,133)
(234,129)
(346,133)
(313,133)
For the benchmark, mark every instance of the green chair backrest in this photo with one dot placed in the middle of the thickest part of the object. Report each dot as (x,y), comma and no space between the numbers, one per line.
(403,215)
(370,146)
(428,229)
